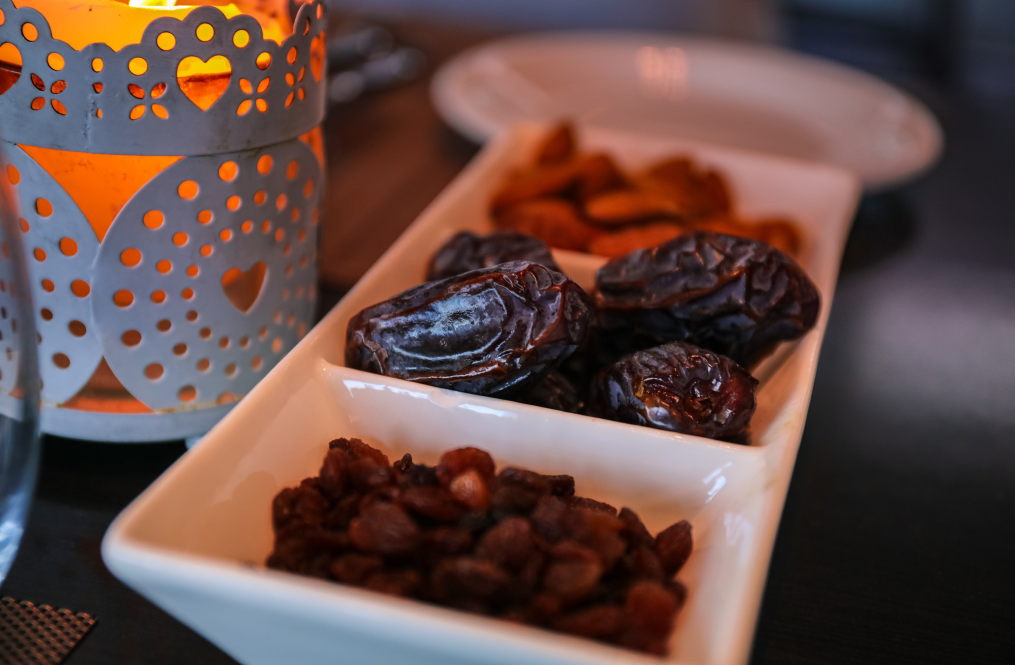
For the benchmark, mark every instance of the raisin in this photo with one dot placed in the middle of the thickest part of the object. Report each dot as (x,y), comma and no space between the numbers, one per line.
(467,251)
(573,571)
(354,568)
(674,545)
(386,529)
(366,474)
(409,474)
(469,489)
(735,296)
(355,448)
(651,608)
(509,544)
(634,530)
(448,541)
(676,387)
(402,583)
(334,473)
(308,506)
(642,563)
(494,331)
(433,502)
(591,504)
(597,622)
(467,577)
(456,462)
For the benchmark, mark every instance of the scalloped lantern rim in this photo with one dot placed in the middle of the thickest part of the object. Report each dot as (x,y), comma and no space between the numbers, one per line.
(92,110)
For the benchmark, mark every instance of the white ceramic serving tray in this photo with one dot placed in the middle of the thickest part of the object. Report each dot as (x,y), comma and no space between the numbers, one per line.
(195,542)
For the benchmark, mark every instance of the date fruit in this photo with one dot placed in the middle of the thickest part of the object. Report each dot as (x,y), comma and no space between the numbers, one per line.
(736,296)
(468,251)
(494,331)
(676,387)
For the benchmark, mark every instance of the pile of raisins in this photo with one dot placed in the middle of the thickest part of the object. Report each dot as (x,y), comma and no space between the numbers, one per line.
(517,545)
(665,342)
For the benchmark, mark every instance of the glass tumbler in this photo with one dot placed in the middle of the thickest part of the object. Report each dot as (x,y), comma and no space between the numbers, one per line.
(19,381)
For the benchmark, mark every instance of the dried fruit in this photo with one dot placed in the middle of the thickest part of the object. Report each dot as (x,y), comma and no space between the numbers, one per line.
(538,554)
(467,251)
(555,221)
(555,392)
(734,296)
(676,387)
(492,331)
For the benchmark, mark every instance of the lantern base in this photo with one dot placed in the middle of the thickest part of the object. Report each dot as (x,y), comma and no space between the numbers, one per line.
(130,427)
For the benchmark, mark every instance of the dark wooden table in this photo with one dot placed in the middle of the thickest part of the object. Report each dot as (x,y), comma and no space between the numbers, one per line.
(897,542)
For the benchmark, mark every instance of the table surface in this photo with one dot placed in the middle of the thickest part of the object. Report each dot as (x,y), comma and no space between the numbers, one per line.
(897,541)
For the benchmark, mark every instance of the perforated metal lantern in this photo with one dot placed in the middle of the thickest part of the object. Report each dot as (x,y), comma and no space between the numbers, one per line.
(169,179)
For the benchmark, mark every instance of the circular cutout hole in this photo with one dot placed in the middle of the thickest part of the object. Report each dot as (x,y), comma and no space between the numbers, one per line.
(187,190)
(187,394)
(48,286)
(153,219)
(308,189)
(224,343)
(68,246)
(264,60)
(55,61)
(290,320)
(225,398)
(205,216)
(277,316)
(180,349)
(231,370)
(206,250)
(187,293)
(24,226)
(244,342)
(164,266)
(302,235)
(123,298)
(264,164)
(43,207)
(262,333)
(13,175)
(137,66)
(279,234)
(255,364)
(192,316)
(164,325)
(78,329)
(285,291)
(276,345)
(290,80)
(292,170)
(47,314)
(260,197)
(158,297)
(288,273)
(61,360)
(80,288)
(247,226)
(294,215)
(228,171)
(193,271)
(130,257)
(166,41)
(205,32)
(281,201)
(131,338)
(97,64)
(203,365)
(301,330)
(180,238)
(233,202)
(241,38)
(39,254)
(29,32)
(265,226)
(154,371)
(205,333)
(226,235)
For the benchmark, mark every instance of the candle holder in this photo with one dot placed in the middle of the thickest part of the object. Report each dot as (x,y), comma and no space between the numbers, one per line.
(169,192)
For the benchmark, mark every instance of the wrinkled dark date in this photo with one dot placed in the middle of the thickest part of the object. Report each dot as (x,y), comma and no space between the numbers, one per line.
(676,387)
(468,251)
(491,332)
(517,544)
(735,296)
(555,392)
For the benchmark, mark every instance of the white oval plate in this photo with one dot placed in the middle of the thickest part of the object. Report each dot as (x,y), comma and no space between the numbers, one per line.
(753,97)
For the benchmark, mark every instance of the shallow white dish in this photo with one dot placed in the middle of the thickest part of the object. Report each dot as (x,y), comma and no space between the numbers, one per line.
(195,542)
(729,93)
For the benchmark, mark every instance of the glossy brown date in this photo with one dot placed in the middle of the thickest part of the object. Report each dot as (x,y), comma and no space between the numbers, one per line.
(467,251)
(494,331)
(736,296)
(676,387)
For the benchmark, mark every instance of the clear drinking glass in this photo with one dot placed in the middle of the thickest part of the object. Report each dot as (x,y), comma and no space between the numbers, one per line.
(19,381)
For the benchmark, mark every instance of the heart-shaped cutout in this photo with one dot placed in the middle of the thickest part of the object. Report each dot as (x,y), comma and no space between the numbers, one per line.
(244,288)
(204,82)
